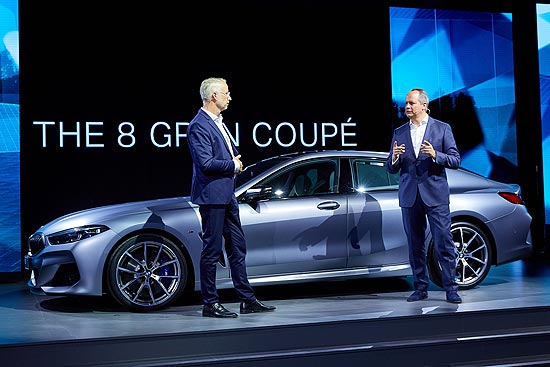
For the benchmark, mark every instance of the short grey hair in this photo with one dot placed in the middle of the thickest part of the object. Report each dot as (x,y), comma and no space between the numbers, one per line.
(211,85)
(422,95)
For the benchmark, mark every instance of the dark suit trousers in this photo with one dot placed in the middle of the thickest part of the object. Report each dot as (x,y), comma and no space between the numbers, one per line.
(221,222)
(414,222)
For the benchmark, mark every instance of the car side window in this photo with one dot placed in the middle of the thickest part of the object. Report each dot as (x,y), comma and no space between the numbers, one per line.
(305,179)
(371,174)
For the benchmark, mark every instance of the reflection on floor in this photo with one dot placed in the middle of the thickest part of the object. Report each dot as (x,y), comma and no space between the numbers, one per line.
(27,320)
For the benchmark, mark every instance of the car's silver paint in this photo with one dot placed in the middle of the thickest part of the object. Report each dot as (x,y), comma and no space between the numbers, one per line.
(300,239)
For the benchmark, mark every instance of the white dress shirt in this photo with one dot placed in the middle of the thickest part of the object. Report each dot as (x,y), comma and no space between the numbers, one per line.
(218,120)
(219,123)
(417,134)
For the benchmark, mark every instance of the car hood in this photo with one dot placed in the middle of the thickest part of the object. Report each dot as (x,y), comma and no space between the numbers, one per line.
(115,212)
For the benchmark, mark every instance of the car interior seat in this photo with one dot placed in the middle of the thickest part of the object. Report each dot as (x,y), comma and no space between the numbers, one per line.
(321,182)
(302,185)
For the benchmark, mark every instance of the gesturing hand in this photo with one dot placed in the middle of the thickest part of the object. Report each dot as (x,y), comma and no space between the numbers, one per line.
(238,159)
(397,151)
(427,148)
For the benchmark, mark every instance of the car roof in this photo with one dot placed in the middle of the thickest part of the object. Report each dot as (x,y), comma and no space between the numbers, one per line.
(326,153)
(260,168)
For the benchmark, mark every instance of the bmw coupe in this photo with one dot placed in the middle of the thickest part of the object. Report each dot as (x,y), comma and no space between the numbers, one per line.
(307,216)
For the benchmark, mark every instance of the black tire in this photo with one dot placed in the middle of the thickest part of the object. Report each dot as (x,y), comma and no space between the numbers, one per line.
(473,253)
(146,272)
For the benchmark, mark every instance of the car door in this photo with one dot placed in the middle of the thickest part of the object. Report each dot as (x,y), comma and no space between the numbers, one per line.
(301,227)
(376,234)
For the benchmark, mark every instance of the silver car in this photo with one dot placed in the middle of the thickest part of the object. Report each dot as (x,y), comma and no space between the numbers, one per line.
(307,217)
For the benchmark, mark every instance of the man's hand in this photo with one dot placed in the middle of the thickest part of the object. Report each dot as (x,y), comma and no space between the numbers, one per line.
(238,159)
(397,151)
(427,148)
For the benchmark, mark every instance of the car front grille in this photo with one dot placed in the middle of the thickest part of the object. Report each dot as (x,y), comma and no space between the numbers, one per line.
(36,243)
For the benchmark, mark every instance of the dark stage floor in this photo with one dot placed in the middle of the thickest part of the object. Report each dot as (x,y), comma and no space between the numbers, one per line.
(31,326)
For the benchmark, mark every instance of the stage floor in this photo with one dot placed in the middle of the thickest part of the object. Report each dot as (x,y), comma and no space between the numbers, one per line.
(26,318)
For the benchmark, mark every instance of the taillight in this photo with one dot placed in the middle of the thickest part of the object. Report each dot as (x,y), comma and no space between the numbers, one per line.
(511,197)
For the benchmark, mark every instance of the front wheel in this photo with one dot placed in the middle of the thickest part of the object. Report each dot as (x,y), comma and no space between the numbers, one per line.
(473,254)
(146,272)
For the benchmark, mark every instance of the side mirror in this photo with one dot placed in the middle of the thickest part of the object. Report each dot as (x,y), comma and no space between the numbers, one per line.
(257,194)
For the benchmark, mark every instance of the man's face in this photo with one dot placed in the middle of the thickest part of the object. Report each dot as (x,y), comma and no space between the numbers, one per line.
(223,98)
(413,107)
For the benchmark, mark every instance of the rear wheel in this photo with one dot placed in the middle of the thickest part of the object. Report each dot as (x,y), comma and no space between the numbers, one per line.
(147,272)
(473,253)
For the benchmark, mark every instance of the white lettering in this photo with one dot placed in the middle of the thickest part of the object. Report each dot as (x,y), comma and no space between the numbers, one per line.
(73,133)
(167,141)
(277,134)
(44,124)
(165,135)
(255,134)
(179,135)
(89,134)
(126,135)
(344,133)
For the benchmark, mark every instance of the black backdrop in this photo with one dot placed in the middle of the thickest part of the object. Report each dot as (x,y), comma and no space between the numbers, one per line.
(301,62)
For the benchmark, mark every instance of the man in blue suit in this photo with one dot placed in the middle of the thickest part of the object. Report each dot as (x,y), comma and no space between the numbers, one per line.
(215,164)
(421,150)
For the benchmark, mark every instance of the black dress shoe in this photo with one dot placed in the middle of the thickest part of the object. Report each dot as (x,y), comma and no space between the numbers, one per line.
(217,310)
(453,297)
(417,296)
(255,306)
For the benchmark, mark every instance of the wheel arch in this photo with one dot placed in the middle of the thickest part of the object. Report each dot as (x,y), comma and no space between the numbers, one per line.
(482,226)
(151,231)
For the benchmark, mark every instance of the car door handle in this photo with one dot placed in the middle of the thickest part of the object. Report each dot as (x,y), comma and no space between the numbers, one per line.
(328,205)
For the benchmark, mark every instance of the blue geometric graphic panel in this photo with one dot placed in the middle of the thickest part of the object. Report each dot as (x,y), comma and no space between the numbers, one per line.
(10,188)
(464,60)
(543,35)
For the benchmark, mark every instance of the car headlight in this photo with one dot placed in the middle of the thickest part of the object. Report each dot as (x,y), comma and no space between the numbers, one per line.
(75,234)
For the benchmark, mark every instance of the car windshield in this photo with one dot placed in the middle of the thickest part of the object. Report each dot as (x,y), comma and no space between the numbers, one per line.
(256,169)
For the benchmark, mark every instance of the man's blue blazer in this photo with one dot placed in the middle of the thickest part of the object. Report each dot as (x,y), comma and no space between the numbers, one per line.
(213,179)
(422,174)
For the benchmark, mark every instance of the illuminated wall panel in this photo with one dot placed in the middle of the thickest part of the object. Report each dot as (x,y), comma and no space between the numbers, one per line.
(543,34)
(464,60)
(10,213)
